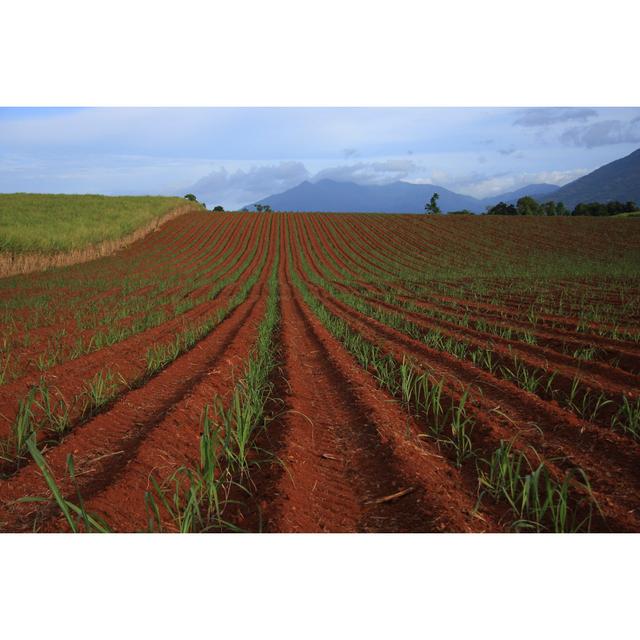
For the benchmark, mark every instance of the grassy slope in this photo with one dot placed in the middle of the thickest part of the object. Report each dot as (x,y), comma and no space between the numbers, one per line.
(49,223)
(632,214)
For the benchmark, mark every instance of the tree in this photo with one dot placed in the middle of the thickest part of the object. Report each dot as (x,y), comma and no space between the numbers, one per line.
(218,207)
(502,209)
(527,206)
(190,197)
(432,205)
(611,208)
(266,208)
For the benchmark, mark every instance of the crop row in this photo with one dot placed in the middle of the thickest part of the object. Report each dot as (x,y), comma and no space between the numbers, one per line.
(534,498)
(46,414)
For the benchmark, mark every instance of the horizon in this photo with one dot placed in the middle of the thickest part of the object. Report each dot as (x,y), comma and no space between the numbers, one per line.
(236,156)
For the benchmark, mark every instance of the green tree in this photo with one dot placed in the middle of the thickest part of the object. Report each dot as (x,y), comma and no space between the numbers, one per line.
(527,206)
(190,197)
(432,205)
(502,209)
(218,207)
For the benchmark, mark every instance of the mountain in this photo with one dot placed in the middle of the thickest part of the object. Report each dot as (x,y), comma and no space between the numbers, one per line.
(397,197)
(537,191)
(618,180)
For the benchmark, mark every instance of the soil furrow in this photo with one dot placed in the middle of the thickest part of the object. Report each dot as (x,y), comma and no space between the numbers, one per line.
(154,428)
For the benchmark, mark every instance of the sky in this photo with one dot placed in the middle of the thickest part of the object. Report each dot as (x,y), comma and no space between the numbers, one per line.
(235,156)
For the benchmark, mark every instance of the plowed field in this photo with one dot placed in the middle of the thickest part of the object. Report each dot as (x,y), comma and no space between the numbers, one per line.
(326,372)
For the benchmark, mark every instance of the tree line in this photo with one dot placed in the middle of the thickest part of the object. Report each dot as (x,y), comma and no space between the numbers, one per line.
(528,206)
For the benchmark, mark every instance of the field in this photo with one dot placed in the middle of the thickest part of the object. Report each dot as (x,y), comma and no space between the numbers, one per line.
(321,372)
(50,223)
(41,231)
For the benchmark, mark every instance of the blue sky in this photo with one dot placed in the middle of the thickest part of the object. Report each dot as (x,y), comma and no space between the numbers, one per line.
(233,156)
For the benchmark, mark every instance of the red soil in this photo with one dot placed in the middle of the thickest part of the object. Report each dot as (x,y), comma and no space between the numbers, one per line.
(349,457)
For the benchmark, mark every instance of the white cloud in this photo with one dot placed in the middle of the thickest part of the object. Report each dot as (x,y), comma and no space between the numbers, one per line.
(380,172)
(244,186)
(480,187)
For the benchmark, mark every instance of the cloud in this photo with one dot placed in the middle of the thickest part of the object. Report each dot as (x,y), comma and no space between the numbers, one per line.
(382,172)
(542,117)
(97,173)
(349,153)
(603,133)
(241,187)
(244,186)
(490,185)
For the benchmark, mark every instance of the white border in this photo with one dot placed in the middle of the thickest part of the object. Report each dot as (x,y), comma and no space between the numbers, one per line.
(335,52)
(405,53)
(320,586)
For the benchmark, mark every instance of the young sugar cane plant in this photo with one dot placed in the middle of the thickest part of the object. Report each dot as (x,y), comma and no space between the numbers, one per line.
(461,427)
(627,419)
(536,500)
(429,402)
(527,379)
(76,515)
(24,427)
(194,499)
(98,392)
(56,411)
(246,412)
(160,355)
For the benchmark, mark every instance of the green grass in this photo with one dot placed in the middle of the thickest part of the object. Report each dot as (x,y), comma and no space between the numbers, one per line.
(629,214)
(51,223)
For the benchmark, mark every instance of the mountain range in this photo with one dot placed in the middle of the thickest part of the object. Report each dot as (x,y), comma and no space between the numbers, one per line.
(618,180)
(396,197)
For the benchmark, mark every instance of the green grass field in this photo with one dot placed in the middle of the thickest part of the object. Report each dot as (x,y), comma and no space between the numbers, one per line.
(50,223)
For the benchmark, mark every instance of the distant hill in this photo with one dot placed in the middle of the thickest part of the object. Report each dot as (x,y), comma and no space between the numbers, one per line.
(618,180)
(397,197)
